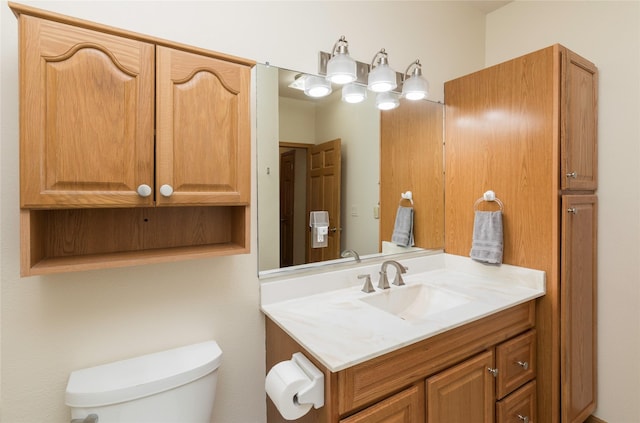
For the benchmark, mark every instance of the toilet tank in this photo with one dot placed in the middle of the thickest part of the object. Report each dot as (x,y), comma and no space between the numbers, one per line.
(173,386)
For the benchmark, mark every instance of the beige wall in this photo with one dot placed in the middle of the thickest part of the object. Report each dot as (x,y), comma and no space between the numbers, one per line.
(52,325)
(607,33)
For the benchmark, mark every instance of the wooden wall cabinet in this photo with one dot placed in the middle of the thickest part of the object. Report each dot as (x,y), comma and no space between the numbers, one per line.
(450,377)
(527,129)
(113,126)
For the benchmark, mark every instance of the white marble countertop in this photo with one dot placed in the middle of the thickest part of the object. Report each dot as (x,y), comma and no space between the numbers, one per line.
(326,314)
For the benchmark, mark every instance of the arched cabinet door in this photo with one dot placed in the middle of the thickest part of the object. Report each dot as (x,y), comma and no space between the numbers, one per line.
(203,133)
(86,117)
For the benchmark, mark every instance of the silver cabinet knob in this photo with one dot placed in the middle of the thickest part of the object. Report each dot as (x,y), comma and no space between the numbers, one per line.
(523,364)
(144,190)
(572,175)
(494,372)
(572,210)
(166,190)
(525,419)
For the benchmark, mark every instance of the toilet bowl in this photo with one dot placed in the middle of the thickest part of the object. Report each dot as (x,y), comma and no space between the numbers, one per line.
(173,386)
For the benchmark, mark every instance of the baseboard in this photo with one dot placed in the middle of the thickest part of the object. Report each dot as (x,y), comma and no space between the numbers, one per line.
(594,419)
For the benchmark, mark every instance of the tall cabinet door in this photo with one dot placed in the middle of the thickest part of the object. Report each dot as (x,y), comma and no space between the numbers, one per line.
(579,123)
(203,130)
(578,307)
(86,119)
(464,393)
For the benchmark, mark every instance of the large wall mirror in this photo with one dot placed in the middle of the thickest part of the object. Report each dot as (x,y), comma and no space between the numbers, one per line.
(292,129)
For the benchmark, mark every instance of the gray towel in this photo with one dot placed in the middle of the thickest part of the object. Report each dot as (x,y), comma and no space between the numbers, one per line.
(487,237)
(403,228)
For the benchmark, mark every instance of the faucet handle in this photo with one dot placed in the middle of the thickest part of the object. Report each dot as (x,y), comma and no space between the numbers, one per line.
(368,286)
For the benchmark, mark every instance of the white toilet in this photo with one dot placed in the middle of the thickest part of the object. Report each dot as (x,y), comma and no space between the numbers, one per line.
(173,386)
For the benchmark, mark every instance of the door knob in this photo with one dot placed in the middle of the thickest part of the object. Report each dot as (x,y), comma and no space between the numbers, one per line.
(144,190)
(166,190)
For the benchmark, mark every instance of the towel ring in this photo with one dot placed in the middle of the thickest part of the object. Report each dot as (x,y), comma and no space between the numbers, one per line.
(407,196)
(488,196)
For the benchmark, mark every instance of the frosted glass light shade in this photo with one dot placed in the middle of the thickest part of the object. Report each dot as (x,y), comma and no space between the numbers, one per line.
(354,93)
(382,78)
(341,69)
(387,101)
(415,88)
(314,86)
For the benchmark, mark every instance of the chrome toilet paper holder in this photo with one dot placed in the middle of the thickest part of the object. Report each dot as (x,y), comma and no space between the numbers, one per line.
(313,393)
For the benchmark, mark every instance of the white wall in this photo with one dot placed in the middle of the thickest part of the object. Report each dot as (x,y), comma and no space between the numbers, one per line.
(608,34)
(52,325)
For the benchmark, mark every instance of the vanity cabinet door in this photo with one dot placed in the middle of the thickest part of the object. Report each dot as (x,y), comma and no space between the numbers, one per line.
(578,318)
(404,407)
(578,123)
(464,393)
(203,130)
(86,117)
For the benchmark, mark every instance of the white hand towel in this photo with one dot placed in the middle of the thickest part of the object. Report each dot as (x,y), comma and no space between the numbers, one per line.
(403,228)
(487,237)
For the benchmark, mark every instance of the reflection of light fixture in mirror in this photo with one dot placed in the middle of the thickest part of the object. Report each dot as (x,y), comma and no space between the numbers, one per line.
(415,87)
(354,93)
(387,100)
(315,86)
(341,68)
(298,82)
(381,77)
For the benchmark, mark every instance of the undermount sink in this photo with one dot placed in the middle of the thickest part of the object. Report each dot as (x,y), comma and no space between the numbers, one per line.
(415,302)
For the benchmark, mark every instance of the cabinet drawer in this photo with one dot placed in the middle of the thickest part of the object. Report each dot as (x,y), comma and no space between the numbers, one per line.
(516,363)
(519,407)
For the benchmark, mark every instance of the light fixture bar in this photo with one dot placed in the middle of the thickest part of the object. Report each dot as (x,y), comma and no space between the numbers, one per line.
(362,71)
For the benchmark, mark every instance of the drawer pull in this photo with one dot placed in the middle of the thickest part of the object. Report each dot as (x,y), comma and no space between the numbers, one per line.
(523,364)
(573,175)
(494,372)
(525,419)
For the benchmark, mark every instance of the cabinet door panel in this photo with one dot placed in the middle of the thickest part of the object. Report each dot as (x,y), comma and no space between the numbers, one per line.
(579,123)
(464,393)
(86,117)
(578,318)
(203,139)
(404,407)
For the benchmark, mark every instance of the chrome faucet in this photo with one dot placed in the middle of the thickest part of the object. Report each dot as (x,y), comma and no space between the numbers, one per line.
(383,283)
(351,253)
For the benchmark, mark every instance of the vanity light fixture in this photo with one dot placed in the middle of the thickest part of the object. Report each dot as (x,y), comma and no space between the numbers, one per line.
(387,100)
(341,68)
(415,87)
(381,77)
(354,93)
(315,86)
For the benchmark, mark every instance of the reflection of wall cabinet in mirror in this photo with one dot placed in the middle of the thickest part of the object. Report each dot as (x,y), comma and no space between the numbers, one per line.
(114,124)
(527,129)
(411,150)
(450,377)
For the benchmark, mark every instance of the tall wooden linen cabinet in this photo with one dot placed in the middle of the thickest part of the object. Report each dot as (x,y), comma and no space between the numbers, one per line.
(132,149)
(527,129)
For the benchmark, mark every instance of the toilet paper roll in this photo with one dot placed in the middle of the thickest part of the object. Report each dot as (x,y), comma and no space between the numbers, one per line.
(283,382)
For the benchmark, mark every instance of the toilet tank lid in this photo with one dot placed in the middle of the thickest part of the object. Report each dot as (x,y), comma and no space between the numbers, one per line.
(142,376)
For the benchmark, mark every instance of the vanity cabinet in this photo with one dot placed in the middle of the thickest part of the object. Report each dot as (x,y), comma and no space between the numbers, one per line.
(445,378)
(527,129)
(113,127)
